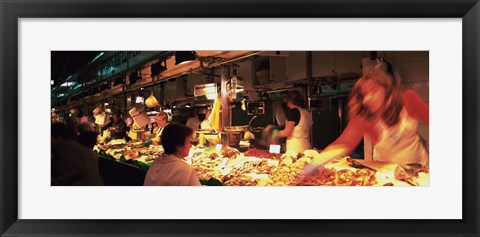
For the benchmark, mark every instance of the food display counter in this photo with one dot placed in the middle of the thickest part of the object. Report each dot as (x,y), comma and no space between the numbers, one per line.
(227,166)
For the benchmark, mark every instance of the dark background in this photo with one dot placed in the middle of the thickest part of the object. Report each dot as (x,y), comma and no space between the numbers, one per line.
(66,63)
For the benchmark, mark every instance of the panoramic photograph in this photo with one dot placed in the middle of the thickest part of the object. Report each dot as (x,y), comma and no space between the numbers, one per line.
(240,118)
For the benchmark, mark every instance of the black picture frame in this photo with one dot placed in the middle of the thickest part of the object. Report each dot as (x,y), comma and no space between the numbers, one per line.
(11,11)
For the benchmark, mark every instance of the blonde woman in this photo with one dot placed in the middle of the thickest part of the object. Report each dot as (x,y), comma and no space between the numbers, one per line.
(381,112)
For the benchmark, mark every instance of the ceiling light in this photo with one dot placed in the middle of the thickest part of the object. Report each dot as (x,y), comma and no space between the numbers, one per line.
(184,56)
(139,100)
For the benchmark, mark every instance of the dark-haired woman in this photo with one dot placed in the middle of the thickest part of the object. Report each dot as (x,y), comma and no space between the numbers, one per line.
(169,169)
(298,124)
(382,113)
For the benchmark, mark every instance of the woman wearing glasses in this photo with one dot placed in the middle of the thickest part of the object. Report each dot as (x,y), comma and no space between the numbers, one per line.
(169,169)
(386,116)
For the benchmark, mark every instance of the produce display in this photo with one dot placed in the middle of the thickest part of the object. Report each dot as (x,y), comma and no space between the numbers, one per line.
(134,153)
(332,177)
(228,166)
(260,168)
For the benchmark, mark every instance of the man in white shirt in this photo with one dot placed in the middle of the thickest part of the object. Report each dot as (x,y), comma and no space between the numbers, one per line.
(169,169)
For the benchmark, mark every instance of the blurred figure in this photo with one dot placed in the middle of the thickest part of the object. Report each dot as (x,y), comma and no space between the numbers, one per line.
(72,163)
(297,126)
(169,169)
(139,122)
(212,140)
(88,139)
(193,122)
(100,119)
(72,125)
(86,127)
(380,112)
(87,135)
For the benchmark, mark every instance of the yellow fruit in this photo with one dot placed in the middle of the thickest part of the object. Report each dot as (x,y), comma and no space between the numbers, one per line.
(304,160)
(248,136)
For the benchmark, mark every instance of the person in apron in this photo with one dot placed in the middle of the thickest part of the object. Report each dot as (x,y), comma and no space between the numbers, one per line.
(386,117)
(297,126)
(162,120)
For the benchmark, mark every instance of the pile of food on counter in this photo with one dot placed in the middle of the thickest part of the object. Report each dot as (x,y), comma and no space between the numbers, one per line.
(135,153)
(261,168)
(228,166)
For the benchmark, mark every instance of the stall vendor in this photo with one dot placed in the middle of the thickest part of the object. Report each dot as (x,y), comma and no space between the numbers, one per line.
(386,116)
(193,122)
(162,120)
(298,124)
(118,129)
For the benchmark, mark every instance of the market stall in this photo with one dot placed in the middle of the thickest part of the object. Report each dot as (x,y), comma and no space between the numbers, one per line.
(227,166)
(249,101)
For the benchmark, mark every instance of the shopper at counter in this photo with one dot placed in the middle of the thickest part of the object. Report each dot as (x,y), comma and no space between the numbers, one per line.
(72,163)
(298,125)
(169,169)
(382,113)
(72,125)
(87,135)
(86,127)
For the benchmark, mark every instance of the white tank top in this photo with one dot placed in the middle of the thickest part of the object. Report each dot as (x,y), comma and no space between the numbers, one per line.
(400,143)
(299,141)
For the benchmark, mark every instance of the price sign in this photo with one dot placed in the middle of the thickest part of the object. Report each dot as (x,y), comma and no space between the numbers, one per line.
(274,149)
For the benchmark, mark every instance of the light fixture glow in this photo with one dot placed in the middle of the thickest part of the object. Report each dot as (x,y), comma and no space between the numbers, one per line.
(139,100)
(211,96)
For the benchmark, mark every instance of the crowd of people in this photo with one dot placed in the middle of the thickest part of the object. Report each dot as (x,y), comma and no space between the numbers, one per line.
(74,163)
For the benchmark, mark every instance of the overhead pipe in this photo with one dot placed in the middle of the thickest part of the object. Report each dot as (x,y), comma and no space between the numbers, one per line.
(191,71)
(202,67)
